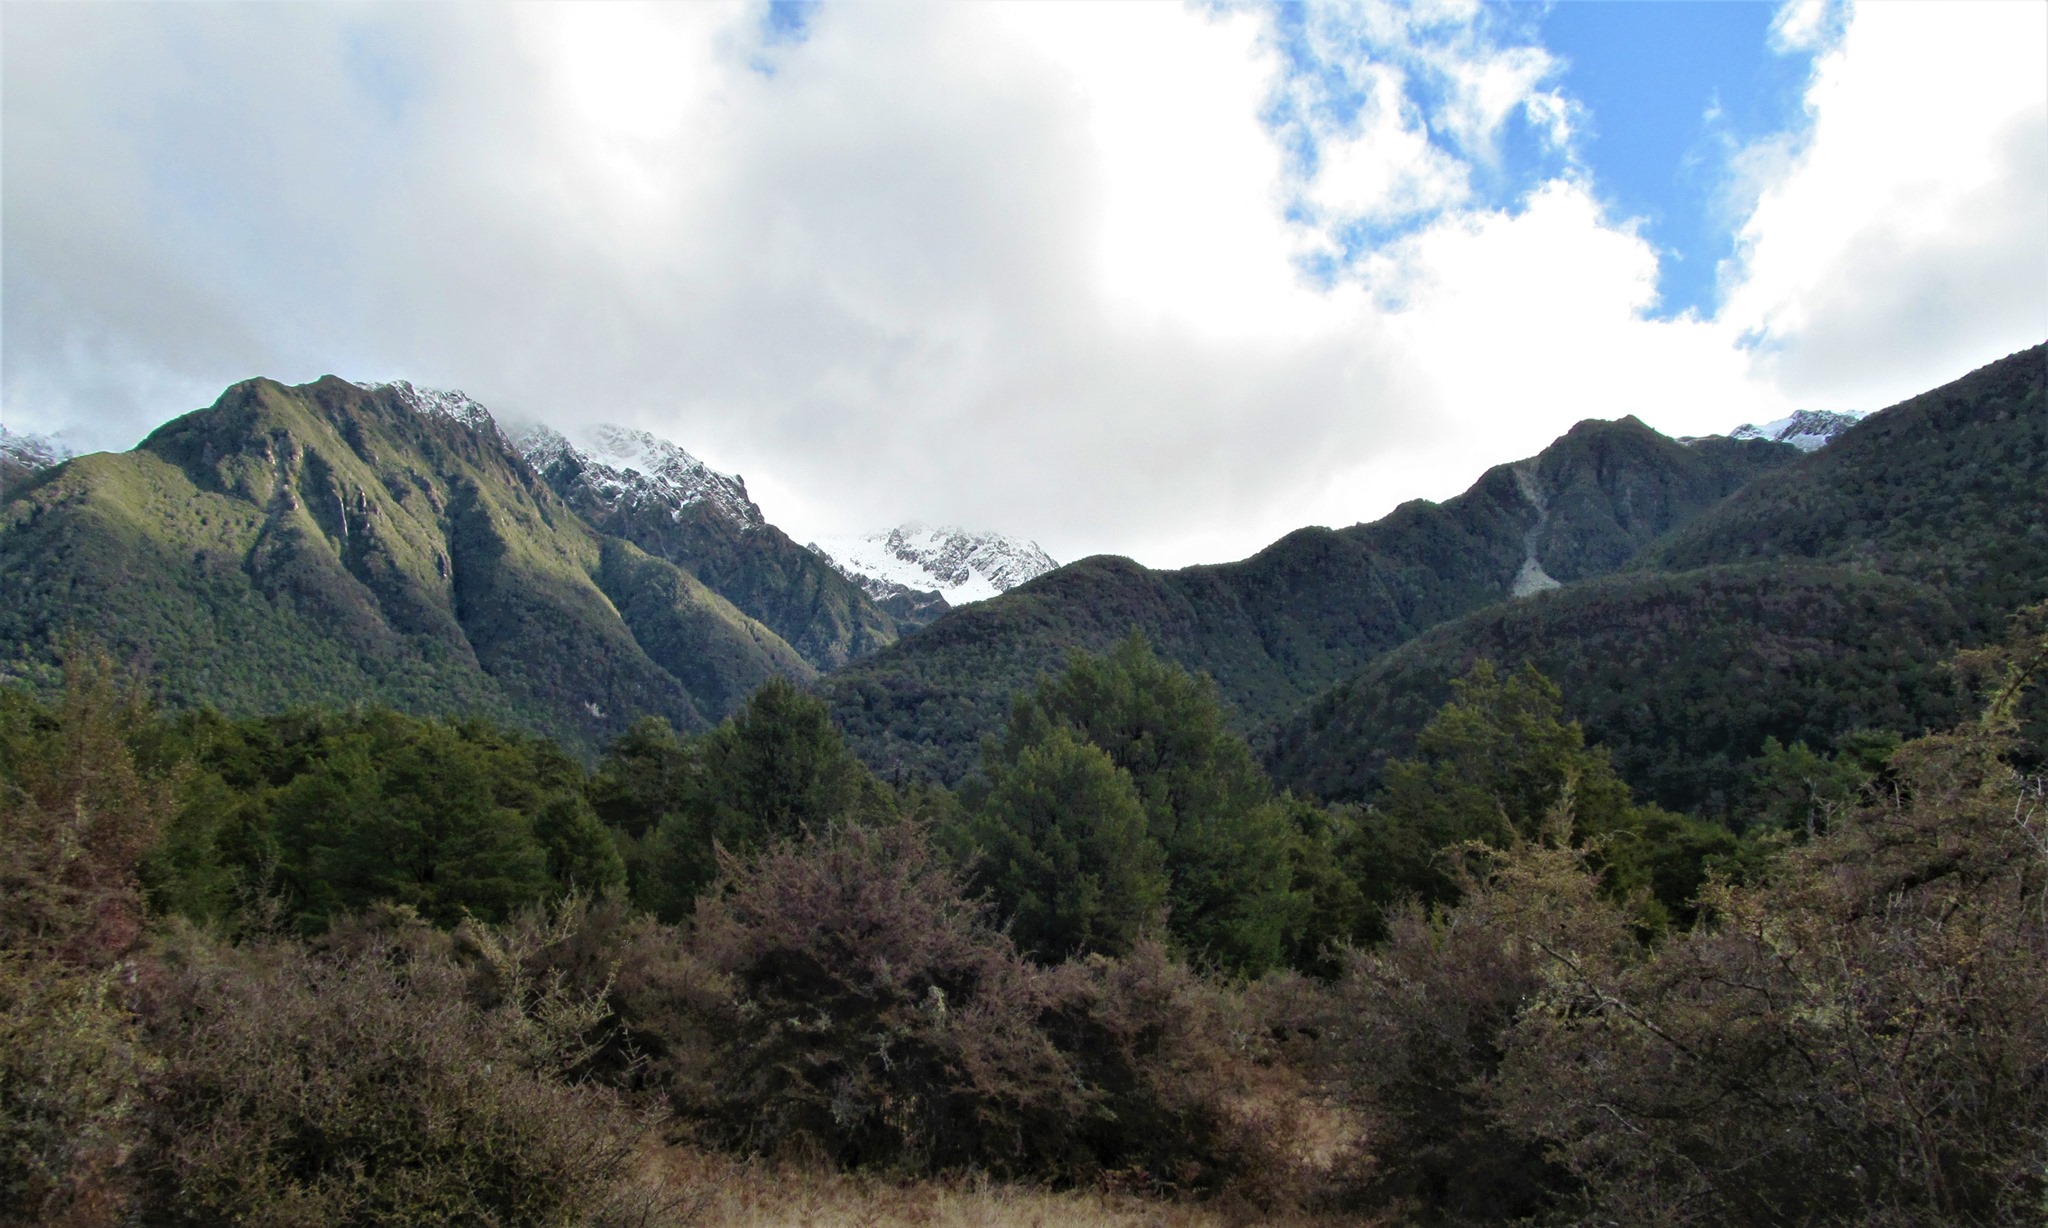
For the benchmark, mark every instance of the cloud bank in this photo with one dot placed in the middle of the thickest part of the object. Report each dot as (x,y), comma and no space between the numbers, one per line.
(1159,281)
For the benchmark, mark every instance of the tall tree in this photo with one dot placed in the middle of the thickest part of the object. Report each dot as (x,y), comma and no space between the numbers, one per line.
(1224,837)
(1064,851)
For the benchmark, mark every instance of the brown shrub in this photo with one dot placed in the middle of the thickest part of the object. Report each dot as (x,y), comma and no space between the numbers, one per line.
(358,1085)
(878,1019)
(1863,1039)
(1414,1033)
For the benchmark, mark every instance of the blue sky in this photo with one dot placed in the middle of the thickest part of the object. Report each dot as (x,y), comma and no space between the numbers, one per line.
(1163,280)
(1671,90)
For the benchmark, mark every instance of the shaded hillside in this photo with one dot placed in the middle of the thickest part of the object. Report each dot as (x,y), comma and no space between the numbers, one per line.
(1950,487)
(329,543)
(1681,676)
(1305,612)
(1813,602)
(726,544)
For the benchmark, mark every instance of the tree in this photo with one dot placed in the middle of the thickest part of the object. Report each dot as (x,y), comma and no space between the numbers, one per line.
(1488,768)
(776,769)
(1224,838)
(1064,852)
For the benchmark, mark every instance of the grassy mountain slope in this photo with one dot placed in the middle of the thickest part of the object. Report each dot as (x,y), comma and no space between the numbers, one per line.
(1817,600)
(1305,612)
(324,543)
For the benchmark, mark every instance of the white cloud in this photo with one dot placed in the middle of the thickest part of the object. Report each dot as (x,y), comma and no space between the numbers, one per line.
(1024,266)
(1900,242)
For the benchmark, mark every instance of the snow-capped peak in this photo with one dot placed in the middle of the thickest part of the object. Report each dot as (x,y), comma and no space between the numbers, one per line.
(441,402)
(618,466)
(962,565)
(32,451)
(1808,430)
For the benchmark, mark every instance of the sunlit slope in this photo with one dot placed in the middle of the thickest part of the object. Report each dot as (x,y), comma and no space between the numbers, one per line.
(328,544)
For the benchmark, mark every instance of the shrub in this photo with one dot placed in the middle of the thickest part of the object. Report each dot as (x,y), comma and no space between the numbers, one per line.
(1414,1033)
(359,1085)
(71,1073)
(878,1018)
(1863,1038)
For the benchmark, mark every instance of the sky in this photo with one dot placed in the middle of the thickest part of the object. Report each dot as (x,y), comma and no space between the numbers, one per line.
(1151,279)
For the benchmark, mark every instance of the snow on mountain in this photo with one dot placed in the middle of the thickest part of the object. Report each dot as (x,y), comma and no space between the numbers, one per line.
(1808,430)
(959,564)
(445,402)
(32,452)
(619,466)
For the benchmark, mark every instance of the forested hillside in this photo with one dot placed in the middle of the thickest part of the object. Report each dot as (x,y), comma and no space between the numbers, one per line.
(1307,611)
(1817,601)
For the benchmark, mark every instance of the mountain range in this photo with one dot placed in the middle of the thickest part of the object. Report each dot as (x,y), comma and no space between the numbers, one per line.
(386,543)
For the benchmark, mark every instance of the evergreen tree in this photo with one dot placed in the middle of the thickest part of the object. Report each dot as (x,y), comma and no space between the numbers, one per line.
(1224,837)
(1064,852)
(776,769)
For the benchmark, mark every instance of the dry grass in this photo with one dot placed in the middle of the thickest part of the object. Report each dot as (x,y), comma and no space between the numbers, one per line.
(722,1192)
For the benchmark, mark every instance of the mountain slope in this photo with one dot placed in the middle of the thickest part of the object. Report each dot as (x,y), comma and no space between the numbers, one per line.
(1309,610)
(333,543)
(1819,599)
(1949,487)
(632,485)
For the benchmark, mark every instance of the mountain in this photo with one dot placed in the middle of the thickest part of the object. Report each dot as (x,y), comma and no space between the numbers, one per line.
(1306,612)
(1808,430)
(334,543)
(1819,599)
(917,560)
(22,456)
(632,485)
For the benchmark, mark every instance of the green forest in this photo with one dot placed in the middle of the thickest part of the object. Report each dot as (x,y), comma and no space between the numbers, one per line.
(358,967)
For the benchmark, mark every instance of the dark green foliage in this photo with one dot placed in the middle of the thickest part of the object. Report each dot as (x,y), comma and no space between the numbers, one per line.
(1492,767)
(776,769)
(336,812)
(1681,677)
(1795,789)
(1949,488)
(1207,806)
(1063,852)
(1302,614)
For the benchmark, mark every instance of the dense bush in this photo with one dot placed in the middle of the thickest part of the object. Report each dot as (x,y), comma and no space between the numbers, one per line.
(1861,1039)
(360,1085)
(877,1017)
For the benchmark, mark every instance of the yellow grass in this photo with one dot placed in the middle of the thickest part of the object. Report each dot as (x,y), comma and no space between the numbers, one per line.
(720,1192)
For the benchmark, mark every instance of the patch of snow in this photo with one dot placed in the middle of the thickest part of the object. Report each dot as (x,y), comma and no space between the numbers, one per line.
(621,467)
(959,564)
(441,402)
(33,451)
(1808,430)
